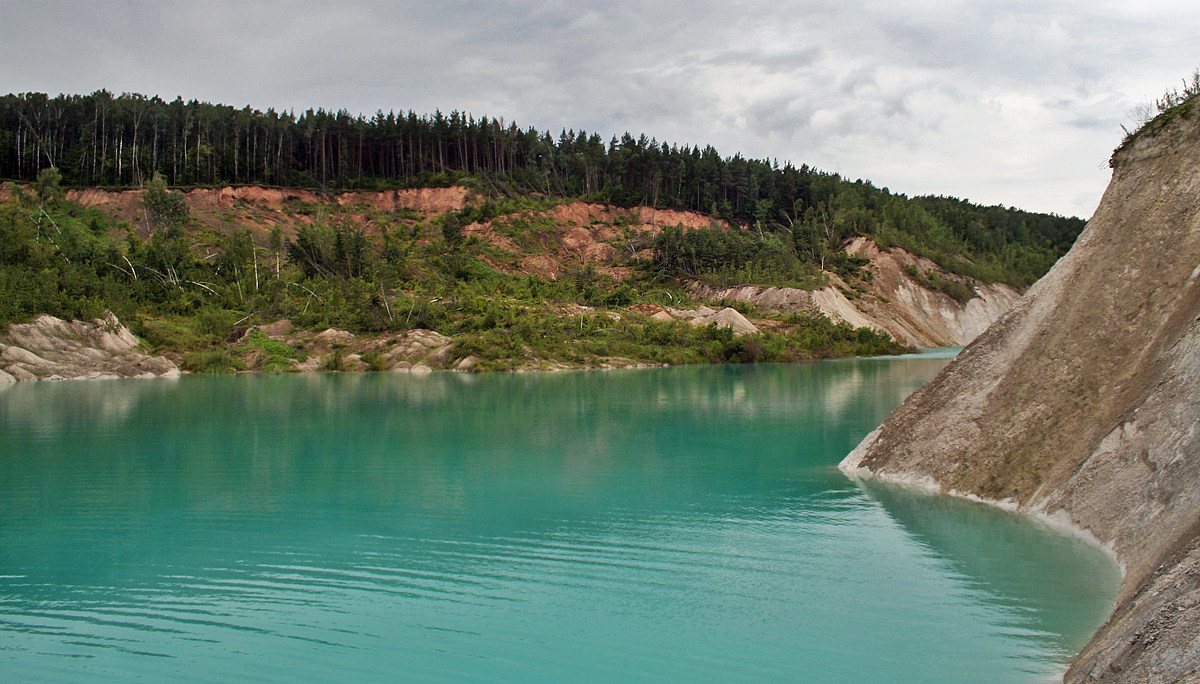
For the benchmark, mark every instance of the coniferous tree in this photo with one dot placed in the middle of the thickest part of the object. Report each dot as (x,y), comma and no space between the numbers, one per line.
(123,140)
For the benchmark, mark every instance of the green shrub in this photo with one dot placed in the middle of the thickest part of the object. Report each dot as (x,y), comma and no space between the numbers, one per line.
(215,323)
(212,361)
(168,333)
(272,356)
(374,360)
(336,361)
(936,281)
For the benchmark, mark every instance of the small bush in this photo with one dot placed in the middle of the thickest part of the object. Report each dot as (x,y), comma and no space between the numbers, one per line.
(271,356)
(936,281)
(336,361)
(374,361)
(213,361)
(215,323)
(165,333)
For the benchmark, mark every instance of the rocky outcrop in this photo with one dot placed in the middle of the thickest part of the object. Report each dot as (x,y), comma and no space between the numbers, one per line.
(829,301)
(895,303)
(50,348)
(419,351)
(727,317)
(409,351)
(1082,405)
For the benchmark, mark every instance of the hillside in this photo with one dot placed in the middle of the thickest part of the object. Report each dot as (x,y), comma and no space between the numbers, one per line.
(894,294)
(199,224)
(1080,405)
(251,278)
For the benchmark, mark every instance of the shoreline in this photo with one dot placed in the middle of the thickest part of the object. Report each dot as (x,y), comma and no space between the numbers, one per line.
(421,371)
(1059,525)
(50,348)
(927,485)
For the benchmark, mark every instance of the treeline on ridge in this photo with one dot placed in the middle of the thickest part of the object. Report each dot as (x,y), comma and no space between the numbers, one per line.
(121,141)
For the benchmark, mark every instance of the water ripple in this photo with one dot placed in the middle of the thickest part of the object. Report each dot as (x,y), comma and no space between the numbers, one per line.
(684,525)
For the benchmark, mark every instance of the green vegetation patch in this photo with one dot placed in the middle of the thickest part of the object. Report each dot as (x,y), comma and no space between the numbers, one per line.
(212,361)
(934,280)
(269,355)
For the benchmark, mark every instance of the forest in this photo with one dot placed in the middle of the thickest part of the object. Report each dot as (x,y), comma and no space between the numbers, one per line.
(118,141)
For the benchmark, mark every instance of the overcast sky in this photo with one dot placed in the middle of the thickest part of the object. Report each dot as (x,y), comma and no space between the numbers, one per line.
(1016,102)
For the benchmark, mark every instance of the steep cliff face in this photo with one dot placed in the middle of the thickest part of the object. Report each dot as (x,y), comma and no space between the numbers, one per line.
(1082,405)
(894,303)
(921,316)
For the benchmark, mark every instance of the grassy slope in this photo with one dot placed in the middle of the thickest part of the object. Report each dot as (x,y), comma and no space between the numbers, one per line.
(526,283)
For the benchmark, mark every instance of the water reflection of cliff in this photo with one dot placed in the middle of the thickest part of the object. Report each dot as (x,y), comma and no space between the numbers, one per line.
(425,452)
(255,436)
(1004,557)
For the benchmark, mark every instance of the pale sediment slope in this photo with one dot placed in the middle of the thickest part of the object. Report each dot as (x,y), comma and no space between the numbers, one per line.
(1082,404)
(895,303)
(918,315)
(53,349)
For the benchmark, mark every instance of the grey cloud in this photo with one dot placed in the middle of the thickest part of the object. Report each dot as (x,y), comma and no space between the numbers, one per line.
(782,116)
(772,63)
(896,107)
(1091,122)
(858,81)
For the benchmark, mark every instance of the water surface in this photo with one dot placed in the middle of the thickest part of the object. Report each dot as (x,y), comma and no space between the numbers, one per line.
(681,524)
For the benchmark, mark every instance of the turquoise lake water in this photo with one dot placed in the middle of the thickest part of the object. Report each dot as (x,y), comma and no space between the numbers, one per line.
(678,524)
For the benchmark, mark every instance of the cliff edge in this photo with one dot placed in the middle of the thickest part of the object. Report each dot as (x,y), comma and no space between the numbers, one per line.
(1082,405)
